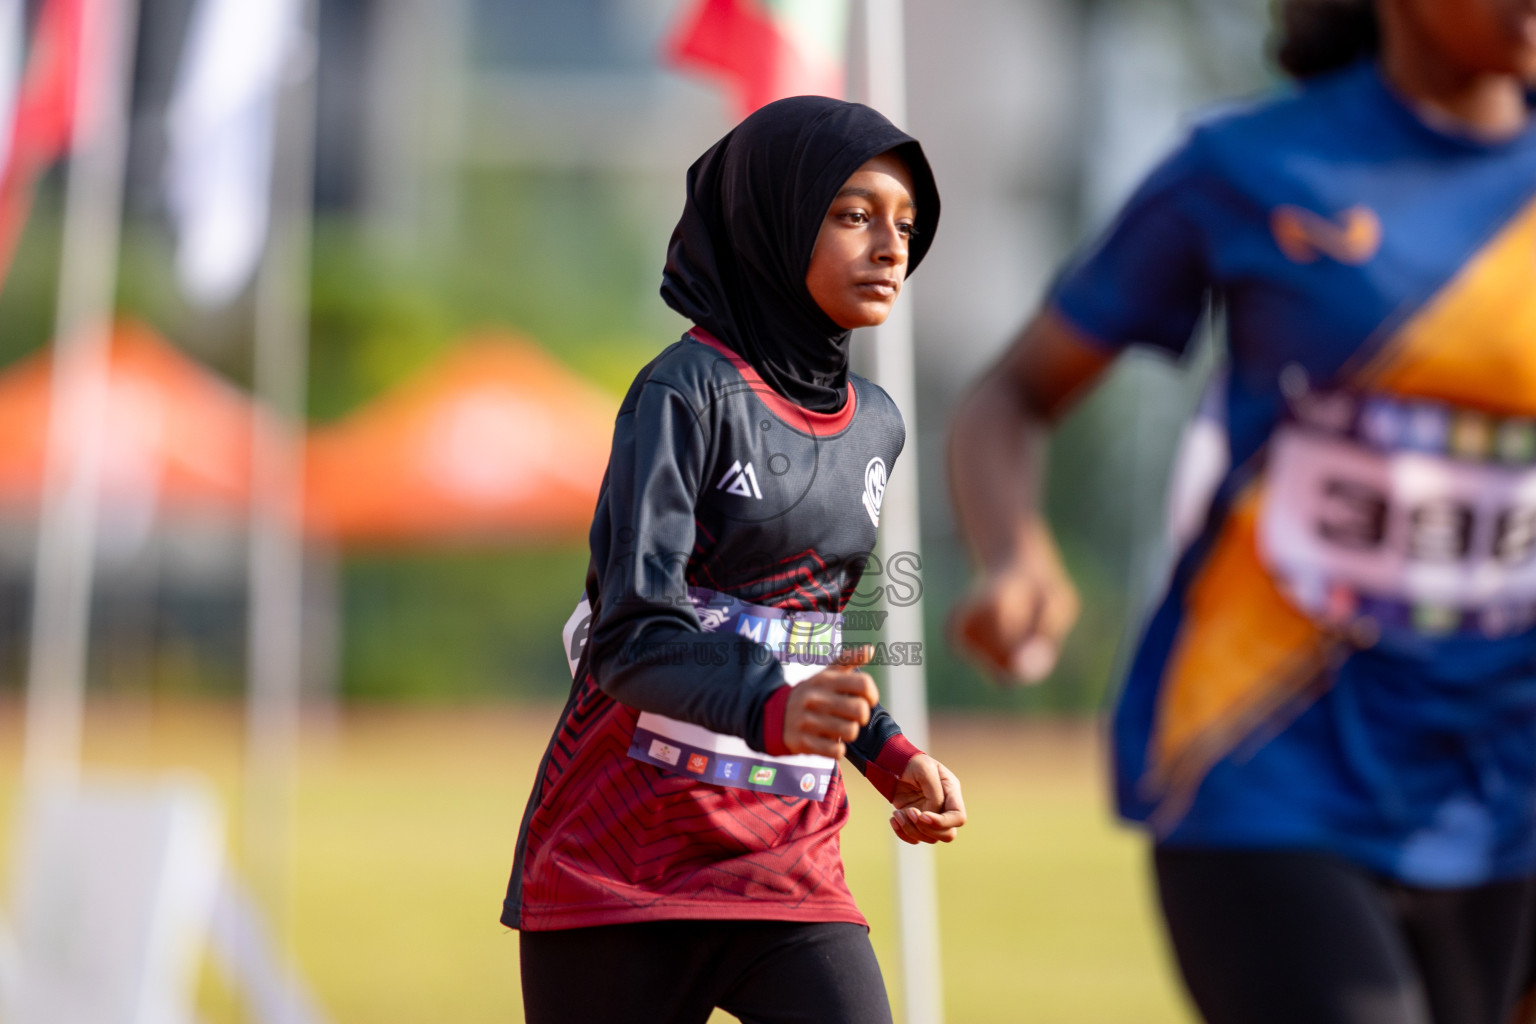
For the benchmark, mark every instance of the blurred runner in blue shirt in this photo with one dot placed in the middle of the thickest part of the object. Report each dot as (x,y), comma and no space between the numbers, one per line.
(1330,722)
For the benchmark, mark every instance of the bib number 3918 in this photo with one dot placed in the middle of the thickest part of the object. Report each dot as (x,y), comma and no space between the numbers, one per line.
(1356,516)
(1405,525)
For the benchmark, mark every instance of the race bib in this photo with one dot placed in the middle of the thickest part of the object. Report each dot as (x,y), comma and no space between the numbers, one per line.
(803,643)
(1416,516)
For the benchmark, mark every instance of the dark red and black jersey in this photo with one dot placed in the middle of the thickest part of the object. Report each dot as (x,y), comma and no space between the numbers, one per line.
(715,483)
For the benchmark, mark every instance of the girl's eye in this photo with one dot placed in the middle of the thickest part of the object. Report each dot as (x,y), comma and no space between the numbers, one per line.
(856,217)
(907,229)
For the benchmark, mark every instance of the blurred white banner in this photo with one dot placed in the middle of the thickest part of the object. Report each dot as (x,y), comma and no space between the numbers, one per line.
(222,124)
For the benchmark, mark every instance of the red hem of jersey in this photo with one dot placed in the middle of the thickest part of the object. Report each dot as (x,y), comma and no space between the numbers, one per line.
(693,910)
(773,722)
(796,417)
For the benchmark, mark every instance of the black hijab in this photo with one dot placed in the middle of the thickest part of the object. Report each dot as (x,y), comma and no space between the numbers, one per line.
(738,258)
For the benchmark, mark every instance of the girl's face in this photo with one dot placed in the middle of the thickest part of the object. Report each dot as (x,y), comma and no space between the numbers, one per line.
(1481,36)
(860,259)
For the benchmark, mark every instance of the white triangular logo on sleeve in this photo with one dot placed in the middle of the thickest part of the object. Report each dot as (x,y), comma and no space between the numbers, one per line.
(740,480)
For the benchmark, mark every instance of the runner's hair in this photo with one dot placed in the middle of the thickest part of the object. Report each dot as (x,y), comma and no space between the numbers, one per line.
(1314,37)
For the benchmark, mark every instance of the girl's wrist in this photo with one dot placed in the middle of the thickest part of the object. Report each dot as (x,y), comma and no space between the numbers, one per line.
(1029,537)
(772,740)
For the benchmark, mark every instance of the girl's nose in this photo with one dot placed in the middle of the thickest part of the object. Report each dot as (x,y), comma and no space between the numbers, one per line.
(891,247)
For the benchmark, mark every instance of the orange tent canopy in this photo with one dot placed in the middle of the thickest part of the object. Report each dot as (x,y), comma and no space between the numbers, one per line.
(496,440)
(172,429)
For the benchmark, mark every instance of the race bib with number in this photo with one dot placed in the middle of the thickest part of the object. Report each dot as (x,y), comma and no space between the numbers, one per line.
(803,643)
(1412,516)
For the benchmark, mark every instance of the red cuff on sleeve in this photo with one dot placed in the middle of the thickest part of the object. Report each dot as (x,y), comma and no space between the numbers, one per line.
(773,723)
(898,750)
(884,772)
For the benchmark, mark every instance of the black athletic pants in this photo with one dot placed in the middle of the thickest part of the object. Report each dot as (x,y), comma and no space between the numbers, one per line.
(677,972)
(1272,937)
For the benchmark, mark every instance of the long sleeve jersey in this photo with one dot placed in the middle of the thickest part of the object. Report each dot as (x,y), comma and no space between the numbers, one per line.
(715,485)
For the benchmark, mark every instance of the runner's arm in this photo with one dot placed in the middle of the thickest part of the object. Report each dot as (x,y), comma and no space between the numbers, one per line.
(1016,618)
(1146,281)
(646,648)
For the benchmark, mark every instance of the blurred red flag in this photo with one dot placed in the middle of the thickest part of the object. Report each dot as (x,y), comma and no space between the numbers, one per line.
(45,115)
(765,49)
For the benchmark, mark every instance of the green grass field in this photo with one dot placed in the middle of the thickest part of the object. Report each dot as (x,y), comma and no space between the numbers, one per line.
(406,820)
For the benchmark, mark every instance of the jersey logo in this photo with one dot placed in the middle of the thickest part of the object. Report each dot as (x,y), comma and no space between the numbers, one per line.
(711,619)
(1353,237)
(740,480)
(874,488)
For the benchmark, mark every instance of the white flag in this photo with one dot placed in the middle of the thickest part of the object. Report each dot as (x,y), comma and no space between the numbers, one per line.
(222,124)
(12,29)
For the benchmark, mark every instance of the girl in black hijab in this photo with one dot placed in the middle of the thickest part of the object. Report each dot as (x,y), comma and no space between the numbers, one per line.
(680,848)
(739,256)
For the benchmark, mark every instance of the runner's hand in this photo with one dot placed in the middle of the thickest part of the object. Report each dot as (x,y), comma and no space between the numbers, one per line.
(929,808)
(1017,617)
(826,711)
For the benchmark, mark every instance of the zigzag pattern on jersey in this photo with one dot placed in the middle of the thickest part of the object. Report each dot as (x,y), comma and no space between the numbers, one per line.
(798,583)
(615,840)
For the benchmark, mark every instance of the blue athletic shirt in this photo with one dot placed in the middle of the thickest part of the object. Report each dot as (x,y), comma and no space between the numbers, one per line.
(1345,658)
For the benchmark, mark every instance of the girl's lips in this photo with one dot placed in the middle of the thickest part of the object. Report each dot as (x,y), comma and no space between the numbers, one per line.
(881,288)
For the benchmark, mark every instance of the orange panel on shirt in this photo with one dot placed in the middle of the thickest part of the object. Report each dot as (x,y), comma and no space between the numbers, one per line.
(1474,344)
(1243,655)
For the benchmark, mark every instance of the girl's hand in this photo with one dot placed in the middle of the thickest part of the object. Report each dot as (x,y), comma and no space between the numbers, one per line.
(1016,618)
(825,712)
(929,808)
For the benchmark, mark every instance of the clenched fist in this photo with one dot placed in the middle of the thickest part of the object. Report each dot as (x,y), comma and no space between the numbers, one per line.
(825,712)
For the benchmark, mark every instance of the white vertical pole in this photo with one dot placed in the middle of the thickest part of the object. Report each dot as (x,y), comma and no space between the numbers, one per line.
(66,532)
(274,632)
(905,685)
